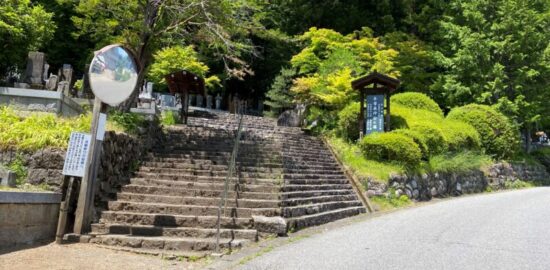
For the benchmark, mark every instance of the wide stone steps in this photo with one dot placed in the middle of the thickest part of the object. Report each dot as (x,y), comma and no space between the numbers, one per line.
(315,193)
(216,161)
(311,209)
(167,244)
(182,200)
(297,223)
(188,210)
(317,199)
(172,220)
(199,178)
(266,187)
(151,230)
(177,165)
(191,172)
(137,189)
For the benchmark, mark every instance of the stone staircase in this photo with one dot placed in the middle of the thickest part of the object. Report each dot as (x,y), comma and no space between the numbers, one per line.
(171,203)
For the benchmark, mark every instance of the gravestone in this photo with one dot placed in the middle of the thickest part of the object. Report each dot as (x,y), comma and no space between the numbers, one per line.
(209,101)
(64,88)
(35,69)
(199,100)
(167,101)
(191,100)
(218,102)
(7,178)
(51,83)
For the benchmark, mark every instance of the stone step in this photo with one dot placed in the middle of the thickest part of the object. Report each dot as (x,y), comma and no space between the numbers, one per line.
(293,188)
(301,222)
(198,178)
(310,209)
(337,175)
(151,230)
(167,243)
(247,161)
(192,172)
(189,210)
(181,200)
(317,199)
(270,187)
(196,192)
(315,193)
(343,180)
(179,165)
(167,220)
(217,161)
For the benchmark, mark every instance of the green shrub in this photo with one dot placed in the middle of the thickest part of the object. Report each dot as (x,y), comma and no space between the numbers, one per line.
(348,121)
(433,136)
(414,100)
(38,130)
(418,138)
(460,136)
(170,118)
(498,136)
(403,117)
(458,162)
(130,122)
(391,147)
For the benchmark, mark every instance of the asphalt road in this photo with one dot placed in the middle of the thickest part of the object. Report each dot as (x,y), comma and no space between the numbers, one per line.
(509,230)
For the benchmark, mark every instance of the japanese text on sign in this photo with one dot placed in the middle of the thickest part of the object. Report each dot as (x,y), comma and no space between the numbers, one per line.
(375,113)
(77,154)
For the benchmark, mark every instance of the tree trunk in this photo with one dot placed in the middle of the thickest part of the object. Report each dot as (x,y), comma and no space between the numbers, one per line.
(143,53)
(527,136)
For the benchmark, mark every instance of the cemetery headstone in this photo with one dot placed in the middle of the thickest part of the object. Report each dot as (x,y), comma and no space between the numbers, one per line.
(218,102)
(51,83)
(35,69)
(199,100)
(209,101)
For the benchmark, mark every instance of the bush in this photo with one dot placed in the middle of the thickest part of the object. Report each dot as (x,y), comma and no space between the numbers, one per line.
(460,136)
(170,118)
(391,147)
(130,122)
(348,121)
(417,138)
(433,136)
(458,162)
(38,130)
(414,100)
(498,136)
(403,117)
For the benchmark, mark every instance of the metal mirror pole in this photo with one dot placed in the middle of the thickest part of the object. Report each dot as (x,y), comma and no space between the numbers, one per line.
(82,215)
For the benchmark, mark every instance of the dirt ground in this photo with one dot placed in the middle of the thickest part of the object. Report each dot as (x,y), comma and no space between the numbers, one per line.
(83,257)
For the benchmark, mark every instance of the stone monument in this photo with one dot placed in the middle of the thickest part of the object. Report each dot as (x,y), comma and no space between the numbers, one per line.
(218,102)
(34,74)
(209,101)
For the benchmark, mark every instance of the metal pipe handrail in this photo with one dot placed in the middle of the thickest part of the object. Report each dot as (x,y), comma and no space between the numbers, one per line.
(231,170)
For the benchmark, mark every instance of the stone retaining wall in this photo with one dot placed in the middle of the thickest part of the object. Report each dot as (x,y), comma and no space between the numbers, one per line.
(426,186)
(27,217)
(120,154)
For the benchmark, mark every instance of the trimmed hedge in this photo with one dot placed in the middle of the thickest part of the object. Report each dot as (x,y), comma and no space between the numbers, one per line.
(433,136)
(460,136)
(348,121)
(391,147)
(415,100)
(417,138)
(498,136)
(403,117)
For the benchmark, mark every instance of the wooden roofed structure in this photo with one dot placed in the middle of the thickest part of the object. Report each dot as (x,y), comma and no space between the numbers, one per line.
(184,83)
(381,85)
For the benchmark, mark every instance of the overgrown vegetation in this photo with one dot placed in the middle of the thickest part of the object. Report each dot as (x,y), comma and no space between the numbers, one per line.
(169,118)
(458,162)
(391,201)
(129,122)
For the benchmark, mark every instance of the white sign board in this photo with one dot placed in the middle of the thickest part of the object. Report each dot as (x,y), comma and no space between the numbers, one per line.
(77,154)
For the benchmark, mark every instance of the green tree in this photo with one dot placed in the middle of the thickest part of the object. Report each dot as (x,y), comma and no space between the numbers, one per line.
(279,97)
(145,26)
(24,27)
(171,59)
(496,52)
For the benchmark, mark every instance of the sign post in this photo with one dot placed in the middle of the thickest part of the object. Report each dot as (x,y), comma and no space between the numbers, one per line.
(375,113)
(113,77)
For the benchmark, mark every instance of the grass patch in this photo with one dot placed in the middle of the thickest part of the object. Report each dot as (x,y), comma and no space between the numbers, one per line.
(518,184)
(391,201)
(458,162)
(169,118)
(18,167)
(362,167)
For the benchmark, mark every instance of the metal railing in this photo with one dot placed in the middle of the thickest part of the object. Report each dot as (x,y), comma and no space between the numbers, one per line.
(230,172)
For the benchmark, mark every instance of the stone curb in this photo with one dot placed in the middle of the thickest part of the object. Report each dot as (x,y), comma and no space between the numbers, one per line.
(29,197)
